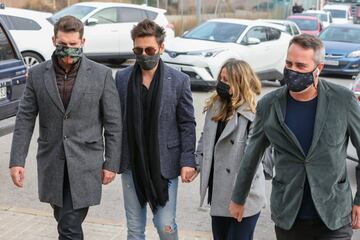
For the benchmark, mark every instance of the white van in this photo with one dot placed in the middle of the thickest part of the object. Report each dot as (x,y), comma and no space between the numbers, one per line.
(341,14)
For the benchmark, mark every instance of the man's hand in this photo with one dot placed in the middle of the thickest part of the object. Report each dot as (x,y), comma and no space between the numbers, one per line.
(107,176)
(17,175)
(188,174)
(236,211)
(355,217)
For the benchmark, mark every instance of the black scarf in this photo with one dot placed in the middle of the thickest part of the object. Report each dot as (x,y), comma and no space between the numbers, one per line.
(149,184)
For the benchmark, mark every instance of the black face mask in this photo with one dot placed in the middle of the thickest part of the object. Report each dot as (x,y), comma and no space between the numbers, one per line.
(148,62)
(222,90)
(297,81)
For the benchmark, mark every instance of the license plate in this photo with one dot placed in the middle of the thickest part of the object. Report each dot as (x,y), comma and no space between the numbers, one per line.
(331,62)
(176,67)
(3,93)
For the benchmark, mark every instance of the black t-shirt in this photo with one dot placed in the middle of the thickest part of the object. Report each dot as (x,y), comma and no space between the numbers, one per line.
(300,118)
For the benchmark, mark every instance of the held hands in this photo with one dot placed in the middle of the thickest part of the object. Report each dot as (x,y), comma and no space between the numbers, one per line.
(188,174)
(355,215)
(236,211)
(17,175)
(107,176)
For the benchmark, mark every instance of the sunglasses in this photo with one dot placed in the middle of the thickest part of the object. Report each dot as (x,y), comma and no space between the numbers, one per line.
(150,51)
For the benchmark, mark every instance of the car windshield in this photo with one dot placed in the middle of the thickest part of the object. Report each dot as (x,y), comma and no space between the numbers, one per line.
(305,24)
(323,17)
(337,13)
(341,34)
(74,10)
(216,31)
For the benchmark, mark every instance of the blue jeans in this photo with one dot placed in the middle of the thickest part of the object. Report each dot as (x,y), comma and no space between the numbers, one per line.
(164,219)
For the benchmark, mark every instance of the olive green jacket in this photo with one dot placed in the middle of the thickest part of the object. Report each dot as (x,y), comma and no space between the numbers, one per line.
(337,119)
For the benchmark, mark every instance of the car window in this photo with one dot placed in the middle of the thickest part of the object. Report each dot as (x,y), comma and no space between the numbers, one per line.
(305,24)
(295,29)
(216,31)
(19,23)
(337,13)
(340,34)
(273,34)
(324,17)
(151,15)
(77,11)
(256,32)
(7,52)
(107,15)
(131,14)
(288,29)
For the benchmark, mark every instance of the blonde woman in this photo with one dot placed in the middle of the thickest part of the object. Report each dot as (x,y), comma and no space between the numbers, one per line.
(229,113)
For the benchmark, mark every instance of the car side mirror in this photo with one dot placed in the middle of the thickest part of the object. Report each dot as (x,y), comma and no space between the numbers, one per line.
(91,21)
(252,41)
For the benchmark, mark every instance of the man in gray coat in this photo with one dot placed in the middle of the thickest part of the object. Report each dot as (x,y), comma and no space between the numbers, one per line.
(76,101)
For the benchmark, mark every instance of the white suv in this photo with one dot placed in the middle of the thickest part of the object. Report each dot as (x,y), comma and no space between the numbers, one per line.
(108,27)
(31,32)
(201,52)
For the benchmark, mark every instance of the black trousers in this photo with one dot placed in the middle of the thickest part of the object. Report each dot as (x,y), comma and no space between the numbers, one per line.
(228,228)
(69,219)
(313,230)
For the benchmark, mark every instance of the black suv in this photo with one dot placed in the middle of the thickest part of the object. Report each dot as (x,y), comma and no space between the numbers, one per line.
(12,74)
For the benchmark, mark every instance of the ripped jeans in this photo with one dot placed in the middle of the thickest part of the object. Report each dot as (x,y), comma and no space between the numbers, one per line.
(164,219)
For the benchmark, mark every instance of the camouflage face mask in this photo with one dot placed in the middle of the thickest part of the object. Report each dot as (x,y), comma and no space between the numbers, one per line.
(62,51)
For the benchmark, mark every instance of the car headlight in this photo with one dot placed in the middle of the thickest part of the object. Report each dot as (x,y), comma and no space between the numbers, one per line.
(354,54)
(206,53)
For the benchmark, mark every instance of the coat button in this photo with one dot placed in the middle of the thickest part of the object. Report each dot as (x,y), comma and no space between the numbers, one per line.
(228,170)
(66,137)
(66,117)
(232,141)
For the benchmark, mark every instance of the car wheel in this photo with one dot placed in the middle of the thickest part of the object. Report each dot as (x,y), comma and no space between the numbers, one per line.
(31,59)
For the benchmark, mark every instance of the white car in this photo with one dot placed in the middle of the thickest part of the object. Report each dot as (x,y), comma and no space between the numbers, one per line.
(341,14)
(288,26)
(31,32)
(324,16)
(201,52)
(108,27)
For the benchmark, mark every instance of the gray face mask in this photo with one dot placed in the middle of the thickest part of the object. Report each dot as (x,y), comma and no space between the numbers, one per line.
(148,62)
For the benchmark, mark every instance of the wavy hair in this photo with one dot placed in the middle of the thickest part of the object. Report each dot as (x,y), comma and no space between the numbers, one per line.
(245,86)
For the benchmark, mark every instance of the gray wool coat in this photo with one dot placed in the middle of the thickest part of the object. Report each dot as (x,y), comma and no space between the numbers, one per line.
(228,153)
(76,134)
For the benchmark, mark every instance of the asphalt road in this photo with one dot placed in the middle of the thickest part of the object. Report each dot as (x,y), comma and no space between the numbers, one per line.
(190,216)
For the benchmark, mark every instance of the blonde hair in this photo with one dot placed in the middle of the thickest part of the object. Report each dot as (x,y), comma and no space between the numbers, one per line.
(245,87)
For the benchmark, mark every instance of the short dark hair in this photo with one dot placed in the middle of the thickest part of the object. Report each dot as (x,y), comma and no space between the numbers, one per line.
(308,41)
(69,24)
(148,28)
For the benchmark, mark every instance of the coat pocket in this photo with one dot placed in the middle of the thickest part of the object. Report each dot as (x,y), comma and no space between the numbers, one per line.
(173,143)
(334,133)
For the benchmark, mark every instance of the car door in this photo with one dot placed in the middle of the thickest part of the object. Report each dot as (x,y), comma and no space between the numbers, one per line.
(256,55)
(128,17)
(102,33)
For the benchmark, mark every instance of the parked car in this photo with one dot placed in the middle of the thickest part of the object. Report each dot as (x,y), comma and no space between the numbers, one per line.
(108,27)
(201,52)
(341,14)
(325,17)
(12,74)
(289,26)
(342,46)
(307,24)
(31,31)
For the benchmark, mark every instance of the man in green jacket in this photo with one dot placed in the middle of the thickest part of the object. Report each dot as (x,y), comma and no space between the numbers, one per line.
(308,122)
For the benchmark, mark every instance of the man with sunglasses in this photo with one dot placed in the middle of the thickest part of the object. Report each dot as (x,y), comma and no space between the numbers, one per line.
(159,134)
(76,101)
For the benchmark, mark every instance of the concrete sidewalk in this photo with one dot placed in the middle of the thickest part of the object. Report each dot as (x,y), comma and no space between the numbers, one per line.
(29,224)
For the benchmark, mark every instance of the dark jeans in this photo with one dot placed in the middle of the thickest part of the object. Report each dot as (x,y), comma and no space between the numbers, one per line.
(313,230)
(69,219)
(228,228)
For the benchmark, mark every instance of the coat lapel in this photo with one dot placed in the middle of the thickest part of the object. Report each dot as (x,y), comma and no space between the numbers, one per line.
(321,110)
(51,86)
(81,83)
(280,108)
